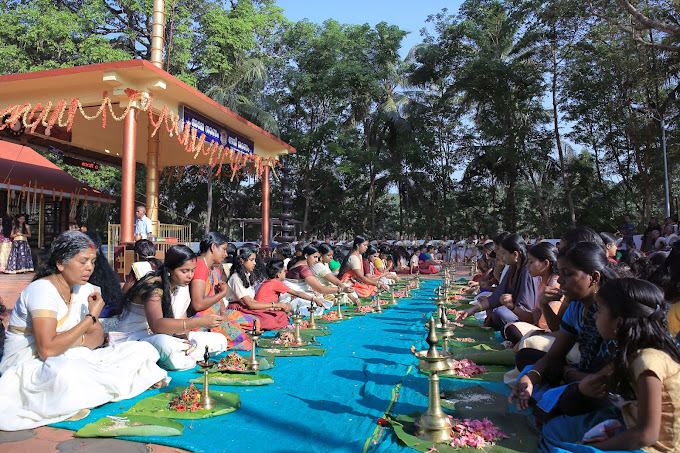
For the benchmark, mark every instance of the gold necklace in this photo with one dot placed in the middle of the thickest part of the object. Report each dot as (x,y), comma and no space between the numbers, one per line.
(68,291)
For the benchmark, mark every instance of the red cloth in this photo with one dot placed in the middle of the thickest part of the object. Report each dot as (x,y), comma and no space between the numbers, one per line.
(299,272)
(269,319)
(426,268)
(201,272)
(270,291)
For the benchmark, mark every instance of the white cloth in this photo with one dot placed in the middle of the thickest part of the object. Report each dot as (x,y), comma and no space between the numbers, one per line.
(35,393)
(174,353)
(299,304)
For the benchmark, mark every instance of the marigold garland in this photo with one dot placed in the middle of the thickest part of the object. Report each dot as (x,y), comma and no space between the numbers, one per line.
(50,115)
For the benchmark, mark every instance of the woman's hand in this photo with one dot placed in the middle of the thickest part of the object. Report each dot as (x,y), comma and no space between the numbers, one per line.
(594,385)
(521,393)
(211,321)
(95,303)
(221,288)
(549,294)
(288,308)
(464,314)
(506,301)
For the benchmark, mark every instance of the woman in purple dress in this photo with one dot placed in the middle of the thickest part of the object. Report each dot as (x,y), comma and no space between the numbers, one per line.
(20,258)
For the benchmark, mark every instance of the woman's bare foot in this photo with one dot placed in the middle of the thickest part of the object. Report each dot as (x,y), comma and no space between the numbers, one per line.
(159,385)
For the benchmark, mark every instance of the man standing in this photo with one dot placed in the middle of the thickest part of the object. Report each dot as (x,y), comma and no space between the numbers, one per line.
(142,224)
(627,231)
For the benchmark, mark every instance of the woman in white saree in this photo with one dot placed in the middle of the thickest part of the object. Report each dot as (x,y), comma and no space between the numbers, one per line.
(52,367)
(155,311)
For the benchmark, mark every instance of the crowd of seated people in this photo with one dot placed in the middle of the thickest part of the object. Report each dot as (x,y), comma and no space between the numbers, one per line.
(591,325)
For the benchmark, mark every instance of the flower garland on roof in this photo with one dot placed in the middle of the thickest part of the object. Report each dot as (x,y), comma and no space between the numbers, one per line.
(49,115)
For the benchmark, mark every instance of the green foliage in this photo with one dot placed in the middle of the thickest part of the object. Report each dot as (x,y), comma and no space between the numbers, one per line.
(458,137)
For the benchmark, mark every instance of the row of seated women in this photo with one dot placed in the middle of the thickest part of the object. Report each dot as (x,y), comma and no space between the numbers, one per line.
(591,337)
(169,313)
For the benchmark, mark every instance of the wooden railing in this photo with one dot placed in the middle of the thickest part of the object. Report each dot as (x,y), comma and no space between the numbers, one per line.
(178,234)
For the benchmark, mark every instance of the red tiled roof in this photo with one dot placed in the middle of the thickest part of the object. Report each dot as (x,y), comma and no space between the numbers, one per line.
(20,165)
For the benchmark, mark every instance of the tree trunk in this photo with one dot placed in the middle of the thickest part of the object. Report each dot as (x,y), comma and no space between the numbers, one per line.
(510,202)
(560,151)
(308,188)
(210,201)
(371,196)
(541,205)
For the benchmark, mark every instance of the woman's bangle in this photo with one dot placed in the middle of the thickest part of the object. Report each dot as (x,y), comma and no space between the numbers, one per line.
(184,324)
(82,340)
(273,305)
(532,370)
(94,319)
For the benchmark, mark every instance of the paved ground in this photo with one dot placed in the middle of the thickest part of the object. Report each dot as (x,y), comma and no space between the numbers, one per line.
(53,440)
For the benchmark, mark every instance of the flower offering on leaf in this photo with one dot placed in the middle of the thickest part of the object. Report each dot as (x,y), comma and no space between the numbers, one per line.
(304,324)
(233,362)
(465,340)
(475,433)
(456,297)
(330,316)
(189,400)
(366,309)
(466,368)
(285,338)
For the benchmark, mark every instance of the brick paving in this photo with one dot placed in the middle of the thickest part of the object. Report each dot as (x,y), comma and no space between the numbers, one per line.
(53,440)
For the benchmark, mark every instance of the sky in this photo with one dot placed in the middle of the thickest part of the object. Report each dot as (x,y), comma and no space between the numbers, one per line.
(408,15)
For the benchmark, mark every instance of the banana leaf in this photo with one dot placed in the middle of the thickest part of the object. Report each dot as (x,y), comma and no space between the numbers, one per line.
(484,355)
(235,379)
(522,437)
(264,365)
(131,425)
(494,373)
(320,331)
(157,405)
(291,352)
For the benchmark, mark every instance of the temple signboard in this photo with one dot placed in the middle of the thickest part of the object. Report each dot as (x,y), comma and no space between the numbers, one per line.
(215,132)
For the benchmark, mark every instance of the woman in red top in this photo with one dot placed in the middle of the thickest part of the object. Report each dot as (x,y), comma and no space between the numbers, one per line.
(208,290)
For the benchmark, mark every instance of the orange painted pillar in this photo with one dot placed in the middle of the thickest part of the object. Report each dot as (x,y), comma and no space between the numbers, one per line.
(127,192)
(265,207)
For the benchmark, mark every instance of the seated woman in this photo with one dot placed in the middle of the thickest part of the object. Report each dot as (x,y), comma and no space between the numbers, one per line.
(610,243)
(209,291)
(145,262)
(155,311)
(401,260)
(370,270)
(485,275)
(207,288)
(52,364)
(583,269)
(324,274)
(352,269)
(542,264)
(388,269)
(515,297)
(105,278)
(426,263)
(301,278)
